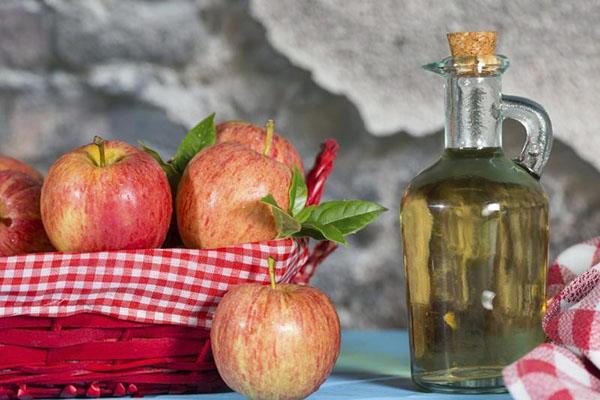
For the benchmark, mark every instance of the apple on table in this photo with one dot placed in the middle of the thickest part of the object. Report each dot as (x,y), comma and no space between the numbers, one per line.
(277,341)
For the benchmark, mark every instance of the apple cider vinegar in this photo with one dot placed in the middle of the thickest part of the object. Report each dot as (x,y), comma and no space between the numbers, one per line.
(476,253)
(475,231)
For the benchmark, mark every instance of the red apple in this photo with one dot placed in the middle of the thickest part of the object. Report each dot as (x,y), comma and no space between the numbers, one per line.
(275,343)
(107,195)
(254,137)
(218,198)
(21,229)
(14,164)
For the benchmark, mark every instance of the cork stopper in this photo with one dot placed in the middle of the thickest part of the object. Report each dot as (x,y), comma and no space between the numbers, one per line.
(472,44)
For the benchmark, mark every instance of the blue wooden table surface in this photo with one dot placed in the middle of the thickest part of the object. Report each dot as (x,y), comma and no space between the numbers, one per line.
(372,365)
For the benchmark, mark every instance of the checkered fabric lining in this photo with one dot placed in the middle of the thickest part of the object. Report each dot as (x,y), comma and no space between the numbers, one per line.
(568,367)
(159,286)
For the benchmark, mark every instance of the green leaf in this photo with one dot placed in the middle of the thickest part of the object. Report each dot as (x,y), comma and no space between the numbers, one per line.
(304,215)
(202,135)
(298,192)
(322,232)
(172,174)
(285,223)
(347,216)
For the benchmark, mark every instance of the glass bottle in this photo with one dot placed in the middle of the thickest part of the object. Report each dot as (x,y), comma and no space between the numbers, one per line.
(475,234)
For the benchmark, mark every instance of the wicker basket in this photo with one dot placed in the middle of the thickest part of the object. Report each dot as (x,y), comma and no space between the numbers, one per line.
(131,322)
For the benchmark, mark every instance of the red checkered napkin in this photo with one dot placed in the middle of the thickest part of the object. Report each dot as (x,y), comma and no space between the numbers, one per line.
(567,368)
(160,286)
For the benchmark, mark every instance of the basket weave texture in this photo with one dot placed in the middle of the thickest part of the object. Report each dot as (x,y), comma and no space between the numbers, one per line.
(132,322)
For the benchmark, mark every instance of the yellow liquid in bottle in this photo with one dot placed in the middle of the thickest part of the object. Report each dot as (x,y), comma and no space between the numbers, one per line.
(475,233)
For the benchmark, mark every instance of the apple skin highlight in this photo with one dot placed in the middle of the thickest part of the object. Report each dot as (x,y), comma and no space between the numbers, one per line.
(122,203)
(279,343)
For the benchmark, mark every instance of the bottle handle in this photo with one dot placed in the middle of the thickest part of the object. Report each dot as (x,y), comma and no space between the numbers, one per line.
(537,124)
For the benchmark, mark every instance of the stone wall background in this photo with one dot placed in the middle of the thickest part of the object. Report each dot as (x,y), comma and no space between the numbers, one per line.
(148,70)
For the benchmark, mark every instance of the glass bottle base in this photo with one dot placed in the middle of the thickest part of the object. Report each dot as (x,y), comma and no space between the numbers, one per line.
(471,380)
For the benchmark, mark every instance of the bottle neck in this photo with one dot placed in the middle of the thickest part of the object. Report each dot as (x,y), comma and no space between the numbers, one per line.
(472,120)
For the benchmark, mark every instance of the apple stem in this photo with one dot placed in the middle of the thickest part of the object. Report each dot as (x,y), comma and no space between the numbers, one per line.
(270,126)
(98,141)
(271,264)
(6,221)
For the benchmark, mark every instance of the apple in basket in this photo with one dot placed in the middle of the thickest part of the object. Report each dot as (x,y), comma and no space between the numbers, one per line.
(16,165)
(219,196)
(106,195)
(254,137)
(230,190)
(277,341)
(21,228)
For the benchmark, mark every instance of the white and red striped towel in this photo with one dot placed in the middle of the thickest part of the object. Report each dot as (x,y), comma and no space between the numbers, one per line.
(569,366)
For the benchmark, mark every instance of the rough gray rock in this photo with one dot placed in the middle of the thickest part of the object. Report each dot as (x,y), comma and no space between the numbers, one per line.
(371,51)
(102,85)
(24,34)
(49,117)
(89,32)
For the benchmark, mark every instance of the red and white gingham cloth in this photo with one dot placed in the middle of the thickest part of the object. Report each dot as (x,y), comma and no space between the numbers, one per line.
(160,286)
(569,366)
